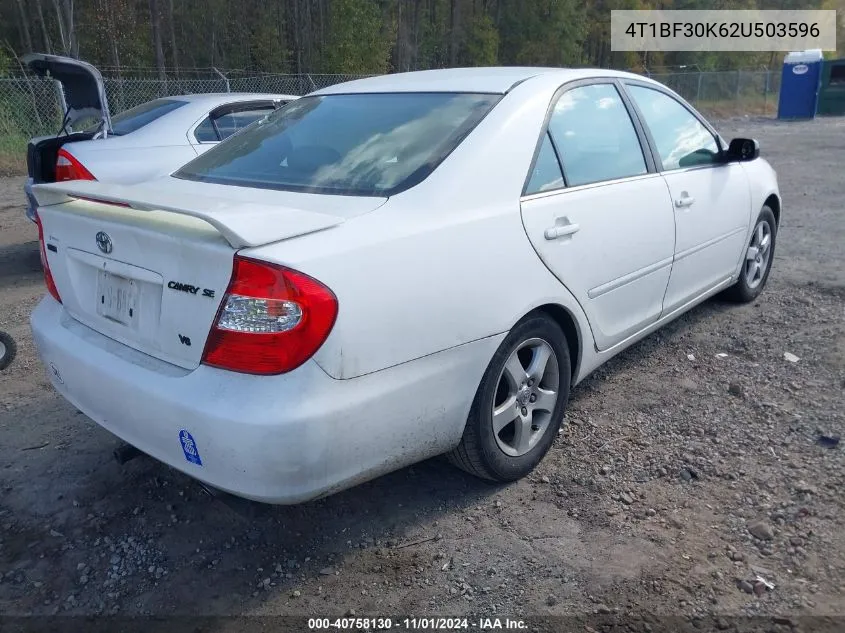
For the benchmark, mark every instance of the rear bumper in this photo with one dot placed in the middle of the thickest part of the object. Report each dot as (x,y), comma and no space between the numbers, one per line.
(280,439)
(31,204)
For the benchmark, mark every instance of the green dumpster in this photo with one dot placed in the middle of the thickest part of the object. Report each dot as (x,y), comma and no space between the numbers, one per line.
(832,92)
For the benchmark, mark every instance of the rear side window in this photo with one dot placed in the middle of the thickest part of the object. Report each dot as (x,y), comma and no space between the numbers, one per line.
(353,144)
(228,124)
(546,174)
(204,133)
(135,118)
(594,136)
(681,139)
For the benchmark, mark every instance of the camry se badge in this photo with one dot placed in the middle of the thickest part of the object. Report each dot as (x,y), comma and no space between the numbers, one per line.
(190,288)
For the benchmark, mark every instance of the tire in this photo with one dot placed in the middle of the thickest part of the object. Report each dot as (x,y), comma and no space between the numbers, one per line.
(518,446)
(748,287)
(8,350)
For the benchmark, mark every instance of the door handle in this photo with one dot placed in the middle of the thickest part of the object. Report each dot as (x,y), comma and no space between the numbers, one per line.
(684,201)
(562,228)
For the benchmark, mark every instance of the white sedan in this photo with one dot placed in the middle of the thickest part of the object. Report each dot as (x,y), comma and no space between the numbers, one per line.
(394,268)
(148,141)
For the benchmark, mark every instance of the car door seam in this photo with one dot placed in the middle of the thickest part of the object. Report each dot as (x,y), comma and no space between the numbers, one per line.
(546,265)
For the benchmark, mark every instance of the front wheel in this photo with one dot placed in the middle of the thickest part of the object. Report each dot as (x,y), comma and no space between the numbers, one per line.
(519,405)
(759,255)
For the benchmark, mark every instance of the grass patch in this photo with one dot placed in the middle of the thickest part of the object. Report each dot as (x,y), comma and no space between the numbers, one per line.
(752,106)
(13,155)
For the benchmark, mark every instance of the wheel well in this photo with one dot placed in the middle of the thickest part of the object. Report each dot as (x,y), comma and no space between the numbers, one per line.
(774,204)
(567,323)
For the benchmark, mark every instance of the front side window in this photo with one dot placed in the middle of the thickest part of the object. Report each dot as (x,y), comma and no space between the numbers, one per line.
(233,122)
(594,135)
(353,144)
(681,139)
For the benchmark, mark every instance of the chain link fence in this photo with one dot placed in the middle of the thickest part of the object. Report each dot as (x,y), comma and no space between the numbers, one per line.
(30,106)
(727,93)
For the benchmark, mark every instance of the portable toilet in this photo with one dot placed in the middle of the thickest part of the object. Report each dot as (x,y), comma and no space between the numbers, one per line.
(832,92)
(799,85)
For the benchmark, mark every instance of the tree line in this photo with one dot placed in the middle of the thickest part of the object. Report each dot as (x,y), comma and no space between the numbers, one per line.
(350,36)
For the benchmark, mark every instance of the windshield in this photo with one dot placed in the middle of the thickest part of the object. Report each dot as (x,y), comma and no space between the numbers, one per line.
(352,144)
(139,116)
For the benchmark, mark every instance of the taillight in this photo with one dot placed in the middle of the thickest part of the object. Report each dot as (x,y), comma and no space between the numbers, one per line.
(48,276)
(271,320)
(69,168)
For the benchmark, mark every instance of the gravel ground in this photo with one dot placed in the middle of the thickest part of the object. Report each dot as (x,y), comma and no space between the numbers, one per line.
(690,466)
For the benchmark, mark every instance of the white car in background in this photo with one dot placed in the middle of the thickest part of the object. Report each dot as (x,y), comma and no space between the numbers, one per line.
(147,141)
(394,268)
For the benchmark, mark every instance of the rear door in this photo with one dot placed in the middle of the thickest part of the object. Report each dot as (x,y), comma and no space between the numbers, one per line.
(227,119)
(711,198)
(598,214)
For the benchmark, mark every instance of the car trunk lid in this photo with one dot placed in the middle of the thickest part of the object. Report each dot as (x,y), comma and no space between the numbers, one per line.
(150,268)
(83,91)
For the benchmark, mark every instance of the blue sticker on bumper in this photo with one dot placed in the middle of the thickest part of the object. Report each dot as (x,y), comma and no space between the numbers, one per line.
(189,447)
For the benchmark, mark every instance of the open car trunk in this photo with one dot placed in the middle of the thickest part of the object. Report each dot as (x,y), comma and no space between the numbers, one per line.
(82,94)
(41,154)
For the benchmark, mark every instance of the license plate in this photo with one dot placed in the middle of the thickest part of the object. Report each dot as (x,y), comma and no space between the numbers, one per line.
(117,298)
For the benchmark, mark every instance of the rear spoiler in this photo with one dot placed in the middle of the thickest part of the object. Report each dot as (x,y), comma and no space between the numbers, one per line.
(242,224)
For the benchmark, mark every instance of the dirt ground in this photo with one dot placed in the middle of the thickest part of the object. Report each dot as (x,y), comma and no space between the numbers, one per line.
(690,465)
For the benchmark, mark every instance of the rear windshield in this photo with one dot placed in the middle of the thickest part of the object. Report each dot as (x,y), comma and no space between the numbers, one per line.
(353,144)
(139,116)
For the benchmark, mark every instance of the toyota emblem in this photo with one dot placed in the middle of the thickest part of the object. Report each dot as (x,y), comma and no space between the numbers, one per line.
(104,242)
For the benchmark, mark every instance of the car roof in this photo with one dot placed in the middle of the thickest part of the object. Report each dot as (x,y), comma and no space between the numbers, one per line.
(495,80)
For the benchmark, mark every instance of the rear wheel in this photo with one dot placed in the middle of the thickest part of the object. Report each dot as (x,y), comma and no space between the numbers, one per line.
(759,255)
(519,405)
(8,349)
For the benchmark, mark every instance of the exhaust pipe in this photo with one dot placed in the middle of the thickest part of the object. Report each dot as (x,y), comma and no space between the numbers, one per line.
(238,505)
(125,452)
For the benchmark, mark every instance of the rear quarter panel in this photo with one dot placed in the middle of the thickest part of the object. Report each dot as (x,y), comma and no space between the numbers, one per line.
(120,160)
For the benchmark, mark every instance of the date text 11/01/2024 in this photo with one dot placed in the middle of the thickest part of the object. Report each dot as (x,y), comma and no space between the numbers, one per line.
(416,624)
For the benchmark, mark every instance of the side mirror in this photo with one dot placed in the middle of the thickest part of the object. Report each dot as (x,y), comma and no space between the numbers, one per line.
(743,149)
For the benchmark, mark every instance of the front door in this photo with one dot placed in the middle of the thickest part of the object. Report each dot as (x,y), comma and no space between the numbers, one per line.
(711,198)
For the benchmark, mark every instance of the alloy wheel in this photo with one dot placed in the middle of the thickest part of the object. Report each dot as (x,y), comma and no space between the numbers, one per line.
(525,397)
(758,254)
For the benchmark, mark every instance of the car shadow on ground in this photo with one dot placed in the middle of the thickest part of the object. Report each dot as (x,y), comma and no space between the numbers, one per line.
(17,261)
(208,541)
